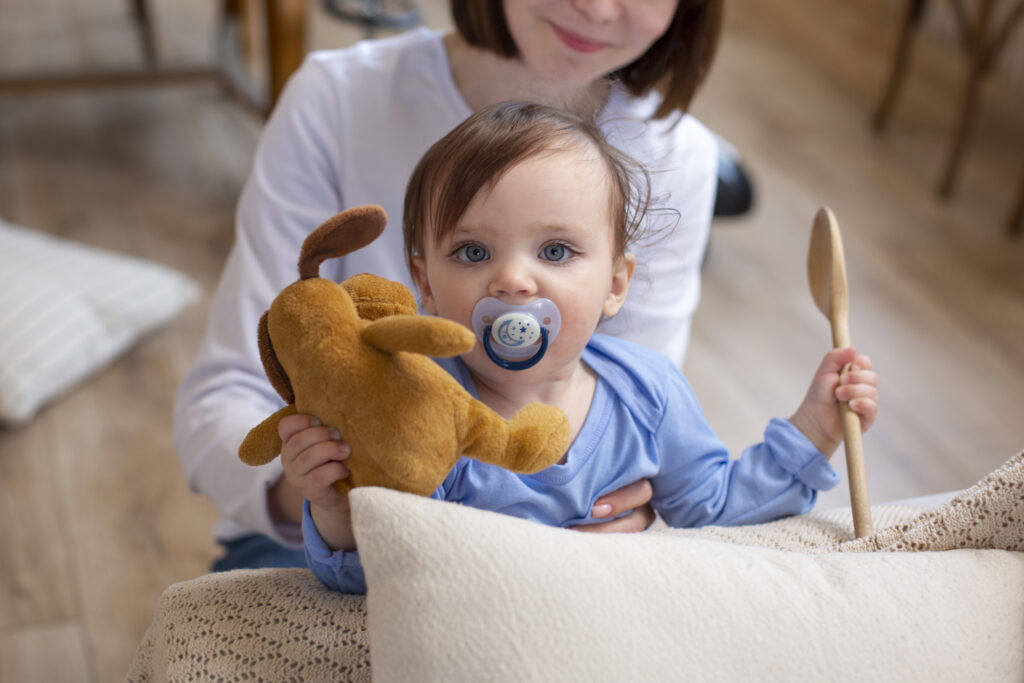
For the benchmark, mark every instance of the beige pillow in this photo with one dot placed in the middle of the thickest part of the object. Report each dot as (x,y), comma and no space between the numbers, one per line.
(68,309)
(459,594)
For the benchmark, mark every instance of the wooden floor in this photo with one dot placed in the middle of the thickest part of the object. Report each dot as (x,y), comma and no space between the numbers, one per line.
(96,516)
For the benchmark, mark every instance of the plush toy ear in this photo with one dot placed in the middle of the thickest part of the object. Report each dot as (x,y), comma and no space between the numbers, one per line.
(341,234)
(275,373)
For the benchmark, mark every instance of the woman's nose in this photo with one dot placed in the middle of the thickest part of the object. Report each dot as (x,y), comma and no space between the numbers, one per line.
(598,10)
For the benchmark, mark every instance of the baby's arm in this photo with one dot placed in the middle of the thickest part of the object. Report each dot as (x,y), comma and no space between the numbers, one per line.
(818,416)
(313,457)
(698,483)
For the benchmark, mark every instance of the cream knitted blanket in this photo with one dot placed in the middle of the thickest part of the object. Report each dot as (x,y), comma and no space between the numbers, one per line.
(281,624)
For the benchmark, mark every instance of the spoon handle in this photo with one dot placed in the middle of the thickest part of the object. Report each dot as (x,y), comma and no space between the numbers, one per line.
(855,472)
(852,444)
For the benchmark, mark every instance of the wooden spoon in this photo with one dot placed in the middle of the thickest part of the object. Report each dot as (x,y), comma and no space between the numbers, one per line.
(826,270)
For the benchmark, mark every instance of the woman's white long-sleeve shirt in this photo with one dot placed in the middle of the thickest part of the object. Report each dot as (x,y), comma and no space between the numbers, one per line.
(348,130)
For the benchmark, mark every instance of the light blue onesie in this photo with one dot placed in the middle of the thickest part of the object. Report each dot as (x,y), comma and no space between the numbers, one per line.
(644,423)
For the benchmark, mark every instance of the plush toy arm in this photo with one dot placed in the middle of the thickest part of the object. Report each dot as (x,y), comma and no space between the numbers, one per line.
(419,334)
(262,444)
(535,438)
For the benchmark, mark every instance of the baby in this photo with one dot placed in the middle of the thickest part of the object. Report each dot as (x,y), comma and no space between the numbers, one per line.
(517,225)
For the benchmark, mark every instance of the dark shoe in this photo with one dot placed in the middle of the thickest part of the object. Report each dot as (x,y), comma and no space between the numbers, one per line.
(372,14)
(735,194)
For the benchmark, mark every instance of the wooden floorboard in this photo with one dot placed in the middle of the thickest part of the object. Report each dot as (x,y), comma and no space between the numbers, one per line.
(937,288)
(97,517)
(51,652)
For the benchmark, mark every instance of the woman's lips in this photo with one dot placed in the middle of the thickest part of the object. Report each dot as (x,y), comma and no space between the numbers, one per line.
(577,42)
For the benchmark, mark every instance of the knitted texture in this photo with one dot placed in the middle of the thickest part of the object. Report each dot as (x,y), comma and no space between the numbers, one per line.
(988,515)
(281,624)
(255,625)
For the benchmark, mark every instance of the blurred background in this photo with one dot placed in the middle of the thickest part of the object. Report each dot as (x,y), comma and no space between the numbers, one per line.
(96,516)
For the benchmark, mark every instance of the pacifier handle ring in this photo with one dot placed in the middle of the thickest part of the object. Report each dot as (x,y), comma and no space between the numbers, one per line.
(524,364)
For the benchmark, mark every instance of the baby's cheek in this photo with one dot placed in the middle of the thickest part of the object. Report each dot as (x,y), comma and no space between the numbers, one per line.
(580,317)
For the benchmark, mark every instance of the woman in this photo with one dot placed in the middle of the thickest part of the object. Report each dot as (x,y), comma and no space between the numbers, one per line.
(348,130)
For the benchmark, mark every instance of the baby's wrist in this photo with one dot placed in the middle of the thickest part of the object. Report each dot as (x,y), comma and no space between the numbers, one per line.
(334,524)
(820,439)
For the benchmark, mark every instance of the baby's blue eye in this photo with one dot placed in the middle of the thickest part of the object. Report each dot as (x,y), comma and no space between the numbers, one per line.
(555,252)
(471,253)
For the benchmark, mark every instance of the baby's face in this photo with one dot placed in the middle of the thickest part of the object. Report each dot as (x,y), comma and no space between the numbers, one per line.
(544,230)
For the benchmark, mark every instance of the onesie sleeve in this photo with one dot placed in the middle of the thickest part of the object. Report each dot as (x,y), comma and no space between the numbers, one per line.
(338,570)
(699,484)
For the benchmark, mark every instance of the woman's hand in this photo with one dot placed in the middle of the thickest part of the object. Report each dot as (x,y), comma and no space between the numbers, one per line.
(635,497)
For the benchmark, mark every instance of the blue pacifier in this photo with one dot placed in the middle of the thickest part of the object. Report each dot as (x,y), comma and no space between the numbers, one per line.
(516,337)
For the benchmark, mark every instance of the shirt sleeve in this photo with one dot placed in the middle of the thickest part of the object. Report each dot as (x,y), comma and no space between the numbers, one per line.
(226,393)
(338,570)
(699,484)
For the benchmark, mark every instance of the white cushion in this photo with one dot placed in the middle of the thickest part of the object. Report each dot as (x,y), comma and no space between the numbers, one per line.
(460,594)
(67,309)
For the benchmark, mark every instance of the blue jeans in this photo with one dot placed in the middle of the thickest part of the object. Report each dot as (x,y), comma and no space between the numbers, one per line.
(256,552)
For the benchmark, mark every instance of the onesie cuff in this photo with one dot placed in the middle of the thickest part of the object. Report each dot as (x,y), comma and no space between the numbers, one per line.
(337,569)
(797,455)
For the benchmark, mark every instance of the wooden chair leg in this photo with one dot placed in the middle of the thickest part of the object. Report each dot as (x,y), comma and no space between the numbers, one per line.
(1016,222)
(286,41)
(147,37)
(240,13)
(968,99)
(911,20)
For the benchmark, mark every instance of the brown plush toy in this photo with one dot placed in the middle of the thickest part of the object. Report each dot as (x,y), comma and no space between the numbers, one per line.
(356,357)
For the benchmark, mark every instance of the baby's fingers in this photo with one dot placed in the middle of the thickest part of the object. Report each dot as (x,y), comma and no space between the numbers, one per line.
(305,439)
(863,400)
(861,362)
(861,390)
(318,455)
(854,377)
(322,478)
(835,360)
(290,425)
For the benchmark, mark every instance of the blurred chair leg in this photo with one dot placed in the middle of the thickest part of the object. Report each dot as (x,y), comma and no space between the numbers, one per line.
(968,100)
(286,41)
(241,13)
(147,37)
(1016,223)
(911,20)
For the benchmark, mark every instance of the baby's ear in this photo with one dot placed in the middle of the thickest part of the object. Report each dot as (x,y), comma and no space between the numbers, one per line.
(418,268)
(622,275)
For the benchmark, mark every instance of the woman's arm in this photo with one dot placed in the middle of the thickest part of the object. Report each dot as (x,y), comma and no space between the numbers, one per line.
(289,192)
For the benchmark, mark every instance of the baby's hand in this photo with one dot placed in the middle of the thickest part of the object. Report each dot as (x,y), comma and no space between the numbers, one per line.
(314,458)
(818,416)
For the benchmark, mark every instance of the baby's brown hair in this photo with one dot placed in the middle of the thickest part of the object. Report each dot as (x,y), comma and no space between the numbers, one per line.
(476,153)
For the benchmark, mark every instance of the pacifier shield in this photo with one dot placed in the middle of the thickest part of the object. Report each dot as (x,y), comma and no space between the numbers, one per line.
(516,329)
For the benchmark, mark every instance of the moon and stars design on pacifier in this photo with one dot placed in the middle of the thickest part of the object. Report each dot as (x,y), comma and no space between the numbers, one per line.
(516,337)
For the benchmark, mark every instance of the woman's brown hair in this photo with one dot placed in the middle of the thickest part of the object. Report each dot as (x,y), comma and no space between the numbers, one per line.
(675,65)
(475,154)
